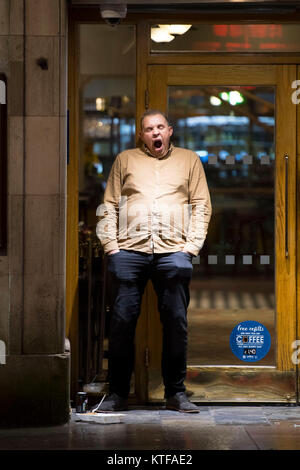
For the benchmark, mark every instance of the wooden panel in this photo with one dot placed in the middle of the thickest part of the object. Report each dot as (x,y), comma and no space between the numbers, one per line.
(157,86)
(210,75)
(197,16)
(298,224)
(219,58)
(232,384)
(285,266)
(141,72)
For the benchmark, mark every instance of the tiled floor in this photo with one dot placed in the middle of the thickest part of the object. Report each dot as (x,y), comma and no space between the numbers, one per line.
(154,428)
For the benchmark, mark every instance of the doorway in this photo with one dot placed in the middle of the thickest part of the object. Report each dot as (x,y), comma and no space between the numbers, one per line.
(246,270)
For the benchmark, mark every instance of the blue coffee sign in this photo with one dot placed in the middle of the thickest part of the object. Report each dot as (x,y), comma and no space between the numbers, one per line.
(250,341)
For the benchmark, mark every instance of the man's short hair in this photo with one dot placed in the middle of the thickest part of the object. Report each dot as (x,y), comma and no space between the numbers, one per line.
(153,112)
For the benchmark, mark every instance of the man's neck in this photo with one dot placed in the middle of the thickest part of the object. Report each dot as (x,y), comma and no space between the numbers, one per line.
(146,150)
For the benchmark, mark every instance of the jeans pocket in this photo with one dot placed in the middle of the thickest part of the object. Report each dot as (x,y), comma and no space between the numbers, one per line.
(189,255)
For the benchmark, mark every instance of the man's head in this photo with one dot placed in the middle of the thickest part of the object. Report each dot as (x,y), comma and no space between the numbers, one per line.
(156,132)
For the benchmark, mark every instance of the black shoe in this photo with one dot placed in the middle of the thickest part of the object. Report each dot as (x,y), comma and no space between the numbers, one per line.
(112,402)
(180,402)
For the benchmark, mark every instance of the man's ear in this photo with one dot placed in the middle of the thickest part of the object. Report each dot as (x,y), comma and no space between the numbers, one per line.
(171,130)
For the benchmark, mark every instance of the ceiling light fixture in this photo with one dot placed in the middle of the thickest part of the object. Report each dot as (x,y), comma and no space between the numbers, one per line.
(176,29)
(161,35)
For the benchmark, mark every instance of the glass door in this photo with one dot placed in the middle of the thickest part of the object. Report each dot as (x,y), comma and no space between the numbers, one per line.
(241,121)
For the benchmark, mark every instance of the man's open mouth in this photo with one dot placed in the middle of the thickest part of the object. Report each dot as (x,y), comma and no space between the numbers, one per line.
(158,144)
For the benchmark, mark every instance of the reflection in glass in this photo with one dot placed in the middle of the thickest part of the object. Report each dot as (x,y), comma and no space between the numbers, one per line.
(227,38)
(232,131)
(107,126)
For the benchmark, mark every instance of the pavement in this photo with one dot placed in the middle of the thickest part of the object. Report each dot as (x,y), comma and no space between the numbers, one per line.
(155,429)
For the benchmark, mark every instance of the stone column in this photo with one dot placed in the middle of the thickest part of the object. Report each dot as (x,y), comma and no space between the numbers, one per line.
(34,382)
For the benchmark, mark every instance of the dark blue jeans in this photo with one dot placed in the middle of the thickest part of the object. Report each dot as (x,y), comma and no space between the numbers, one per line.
(170,274)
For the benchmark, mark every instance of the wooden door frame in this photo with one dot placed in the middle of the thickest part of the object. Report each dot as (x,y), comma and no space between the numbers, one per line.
(144,58)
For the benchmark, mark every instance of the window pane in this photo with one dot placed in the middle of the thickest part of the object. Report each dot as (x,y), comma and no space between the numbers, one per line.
(227,38)
(232,129)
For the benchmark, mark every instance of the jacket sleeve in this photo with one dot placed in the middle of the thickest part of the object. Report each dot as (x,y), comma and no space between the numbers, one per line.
(108,211)
(199,207)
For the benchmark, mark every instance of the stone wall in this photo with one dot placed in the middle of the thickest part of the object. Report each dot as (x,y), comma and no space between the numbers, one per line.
(34,381)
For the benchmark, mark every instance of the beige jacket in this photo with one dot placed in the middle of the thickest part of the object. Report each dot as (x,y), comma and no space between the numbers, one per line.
(155,205)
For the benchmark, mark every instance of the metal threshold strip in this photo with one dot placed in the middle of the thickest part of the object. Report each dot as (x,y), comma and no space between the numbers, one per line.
(183,3)
(231,367)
